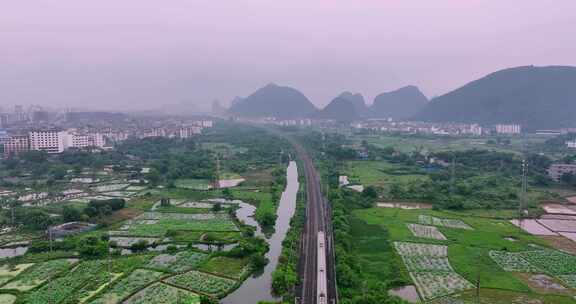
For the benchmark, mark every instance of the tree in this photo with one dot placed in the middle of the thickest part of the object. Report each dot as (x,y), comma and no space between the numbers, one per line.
(216,207)
(71,214)
(92,247)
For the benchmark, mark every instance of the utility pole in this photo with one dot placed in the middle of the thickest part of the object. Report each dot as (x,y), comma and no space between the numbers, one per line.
(452,174)
(217,175)
(50,237)
(109,265)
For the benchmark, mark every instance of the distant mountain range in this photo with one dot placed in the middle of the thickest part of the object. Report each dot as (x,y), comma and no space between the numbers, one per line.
(273,100)
(399,104)
(345,107)
(536,97)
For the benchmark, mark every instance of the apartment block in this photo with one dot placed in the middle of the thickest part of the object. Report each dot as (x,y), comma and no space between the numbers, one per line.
(16,145)
(556,171)
(50,141)
(508,129)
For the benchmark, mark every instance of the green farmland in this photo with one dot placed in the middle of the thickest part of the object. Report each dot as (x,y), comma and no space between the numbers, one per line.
(468,252)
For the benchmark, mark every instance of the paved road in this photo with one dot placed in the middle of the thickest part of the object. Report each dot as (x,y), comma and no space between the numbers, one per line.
(317,219)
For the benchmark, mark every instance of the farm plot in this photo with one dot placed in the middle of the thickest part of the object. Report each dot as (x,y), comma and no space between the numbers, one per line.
(427,232)
(417,249)
(551,261)
(7,298)
(129,241)
(39,273)
(74,287)
(7,272)
(426,264)
(193,184)
(558,225)
(15,237)
(203,283)
(430,269)
(533,227)
(448,223)
(199,205)
(121,194)
(136,188)
(569,280)
(513,262)
(109,187)
(436,284)
(163,294)
(177,221)
(179,262)
(128,285)
(228,267)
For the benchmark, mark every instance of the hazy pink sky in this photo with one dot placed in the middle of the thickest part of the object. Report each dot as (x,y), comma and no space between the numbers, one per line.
(126,53)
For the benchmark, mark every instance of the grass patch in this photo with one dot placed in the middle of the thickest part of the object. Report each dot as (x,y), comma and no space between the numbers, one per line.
(226,266)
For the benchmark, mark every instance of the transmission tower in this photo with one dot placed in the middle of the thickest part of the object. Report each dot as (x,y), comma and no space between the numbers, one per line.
(217,175)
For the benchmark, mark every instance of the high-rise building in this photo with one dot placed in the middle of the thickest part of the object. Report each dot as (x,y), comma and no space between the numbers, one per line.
(508,129)
(50,141)
(16,145)
(187,132)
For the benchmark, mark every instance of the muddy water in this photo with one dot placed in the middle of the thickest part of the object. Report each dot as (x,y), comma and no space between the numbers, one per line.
(259,288)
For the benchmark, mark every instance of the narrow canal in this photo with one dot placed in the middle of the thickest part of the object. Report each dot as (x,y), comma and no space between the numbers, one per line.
(259,287)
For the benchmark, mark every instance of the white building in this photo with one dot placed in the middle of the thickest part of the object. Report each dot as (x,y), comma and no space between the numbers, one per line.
(571,144)
(187,132)
(206,123)
(50,141)
(508,129)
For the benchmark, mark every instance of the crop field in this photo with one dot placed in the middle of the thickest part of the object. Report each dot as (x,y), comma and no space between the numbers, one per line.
(109,187)
(163,294)
(417,249)
(427,232)
(552,262)
(436,284)
(225,266)
(136,188)
(7,298)
(447,143)
(15,237)
(380,173)
(179,262)
(7,272)
(157,224)
(76,286)
(494,250)
(39,273)
(124,287)
(203,283)
(193,184)
(512,262)
(448,223)
(569,280)
(426,264)
(129,241)
(430,269)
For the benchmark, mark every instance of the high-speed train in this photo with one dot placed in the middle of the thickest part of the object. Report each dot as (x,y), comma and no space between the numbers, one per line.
(321,291)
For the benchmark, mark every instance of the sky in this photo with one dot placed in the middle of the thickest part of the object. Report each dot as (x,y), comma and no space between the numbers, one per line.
(143,54)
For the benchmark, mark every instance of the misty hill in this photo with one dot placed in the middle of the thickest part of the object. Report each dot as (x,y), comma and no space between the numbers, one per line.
(399,104)
(536,97)
(345,107)
(273,100)
(340,109)
(357,100)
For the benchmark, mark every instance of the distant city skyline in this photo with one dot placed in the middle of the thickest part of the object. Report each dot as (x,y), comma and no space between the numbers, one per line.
(144,54)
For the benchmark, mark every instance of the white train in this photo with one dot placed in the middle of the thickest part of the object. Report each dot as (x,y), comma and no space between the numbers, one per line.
(322,291)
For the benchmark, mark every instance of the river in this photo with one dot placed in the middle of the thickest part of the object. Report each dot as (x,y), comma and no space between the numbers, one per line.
(259,287)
